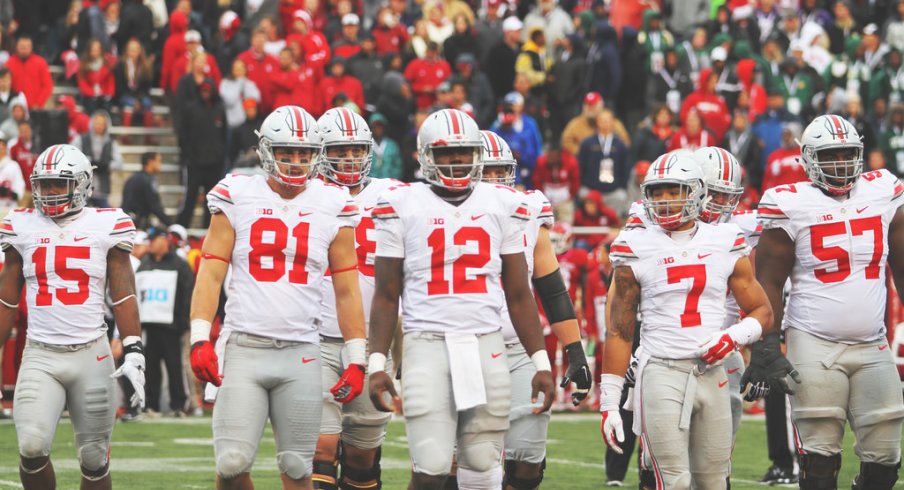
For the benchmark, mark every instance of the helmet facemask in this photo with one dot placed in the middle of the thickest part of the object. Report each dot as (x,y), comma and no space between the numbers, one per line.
(834,169)
(498,172)
(346,164)
(672,203)
(722,201)
(279,161)
(454,168)
(56,196)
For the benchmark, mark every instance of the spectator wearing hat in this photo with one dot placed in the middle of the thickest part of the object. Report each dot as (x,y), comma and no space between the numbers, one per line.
(261,67)
(103,152)
(595,212)
(286,11)
(752,97)
(746,146)
(368,67)
(164,284)
(727,84)
(552,19)
(349,44)
(651,139)
(243,142)
(141,195)
(709,105)
(534,61)
(522,134)
(230,40)
(389,34)
(133,75)
(462,40)
(558,176)
(387,158)
(173,48)
(12,183)
(692,135)
(186,63)
(425,74)
(338,81)
(567,84)
(670,85)
(639,173)
(204,125)
(443,97)
(480,93)
(30,74)
(79,122)
(500,61)
(784,164)
(604,163)
(307,43)
(655,39)
(583,125)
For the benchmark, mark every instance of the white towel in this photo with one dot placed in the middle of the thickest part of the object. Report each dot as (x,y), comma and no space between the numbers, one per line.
(210,391)
(465,369)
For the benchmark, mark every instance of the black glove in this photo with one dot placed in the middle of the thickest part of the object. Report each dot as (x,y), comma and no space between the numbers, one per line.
(631,373)
(578,371)
(768,369)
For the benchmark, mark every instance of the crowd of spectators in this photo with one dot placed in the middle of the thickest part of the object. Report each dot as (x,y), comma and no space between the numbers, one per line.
(586,92)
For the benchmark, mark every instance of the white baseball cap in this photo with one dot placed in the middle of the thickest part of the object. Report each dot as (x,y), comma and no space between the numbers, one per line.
(512,24)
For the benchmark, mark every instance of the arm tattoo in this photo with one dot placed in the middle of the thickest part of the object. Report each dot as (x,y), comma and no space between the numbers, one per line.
(624,308)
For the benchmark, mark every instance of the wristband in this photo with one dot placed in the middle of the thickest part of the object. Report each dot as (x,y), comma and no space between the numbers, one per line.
(200,331)
(541,360)
(746,331)
(132,343)
(357,351)
(610,391)
(377,363)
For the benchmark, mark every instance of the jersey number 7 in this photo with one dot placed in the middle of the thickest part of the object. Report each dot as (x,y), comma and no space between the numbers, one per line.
(697,274)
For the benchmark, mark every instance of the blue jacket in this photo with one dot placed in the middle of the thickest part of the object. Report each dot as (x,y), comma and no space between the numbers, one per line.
(590,156)
(768,127)
(526,144)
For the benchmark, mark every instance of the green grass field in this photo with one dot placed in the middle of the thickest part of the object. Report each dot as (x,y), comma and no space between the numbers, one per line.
(178,454)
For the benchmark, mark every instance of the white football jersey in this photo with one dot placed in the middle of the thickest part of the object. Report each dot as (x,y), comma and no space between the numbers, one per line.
(637,216)
(366,247)
(751,227)
(683,285)
(280,254)
(452,254)
(540,215)
(65,269)
(841,246)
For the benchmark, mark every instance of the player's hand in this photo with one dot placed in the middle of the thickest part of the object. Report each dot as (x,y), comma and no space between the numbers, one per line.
(631,373)
(350,385)
(578,372)
(133,369)
(717,348)
(768,369)
(204,363)
(542,383)
(613,430)
(380,384)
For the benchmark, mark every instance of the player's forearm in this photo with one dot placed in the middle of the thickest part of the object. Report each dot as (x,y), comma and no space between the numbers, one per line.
(349,310)
(383,319)
(525,318)
(8,318)
(568,331)
(206,295)
(121,280)
(775,294)
(616,355)
(764,315)
(126,315)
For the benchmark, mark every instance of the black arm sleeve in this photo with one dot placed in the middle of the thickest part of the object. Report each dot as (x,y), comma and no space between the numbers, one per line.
(554,297)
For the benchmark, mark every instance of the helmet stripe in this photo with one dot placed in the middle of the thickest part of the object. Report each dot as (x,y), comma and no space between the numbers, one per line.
(347,116)
(839,127)
(48,161)
(456,124)
(494,145)
(661,169)
(726,164)
(299,121)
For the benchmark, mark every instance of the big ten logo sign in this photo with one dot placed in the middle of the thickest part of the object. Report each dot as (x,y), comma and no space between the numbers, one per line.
(157,295)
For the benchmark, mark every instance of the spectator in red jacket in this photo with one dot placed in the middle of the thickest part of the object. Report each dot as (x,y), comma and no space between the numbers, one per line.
(691,136)
(31,75)
(558,176)
(389,34)
(296,85)
(594,212)
(96,84)
(261,67)
(348,45)
(784,165)
(173,49)
(287,10)
(22,150)
(78,121)
(312,44)
(180,67)
(709,104)
(425,74)
(336,82)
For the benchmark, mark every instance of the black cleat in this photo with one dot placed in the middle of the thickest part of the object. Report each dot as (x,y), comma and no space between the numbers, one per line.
(779,476)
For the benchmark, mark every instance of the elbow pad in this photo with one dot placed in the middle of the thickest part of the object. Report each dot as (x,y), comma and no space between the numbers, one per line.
(554,297)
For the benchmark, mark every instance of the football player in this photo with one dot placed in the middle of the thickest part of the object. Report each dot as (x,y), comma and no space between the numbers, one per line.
(279,233)
(346,159)
(679,272)
(525,441)
(832,236)
(450,248)
(67,255)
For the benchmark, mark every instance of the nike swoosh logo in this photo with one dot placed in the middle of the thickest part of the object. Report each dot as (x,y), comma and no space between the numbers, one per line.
(302,215)
(101,358)
(368,208)
(860,210)
(703,256)
(722,384)
(732,371)
(496,354)
(79,238)
(307,359)
(475,218)
(883,347)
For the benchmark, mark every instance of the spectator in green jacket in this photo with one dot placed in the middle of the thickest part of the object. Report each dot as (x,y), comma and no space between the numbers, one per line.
(387,159)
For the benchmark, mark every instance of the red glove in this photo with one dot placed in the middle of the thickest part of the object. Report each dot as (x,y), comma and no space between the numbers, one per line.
(717,348)
(350,385)
(204,363)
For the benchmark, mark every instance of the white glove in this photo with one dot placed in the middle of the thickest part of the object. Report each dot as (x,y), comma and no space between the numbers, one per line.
(133,369)
(745,332)
(611,426)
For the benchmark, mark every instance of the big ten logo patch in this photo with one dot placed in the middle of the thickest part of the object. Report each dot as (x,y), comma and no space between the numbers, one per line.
(154,295)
